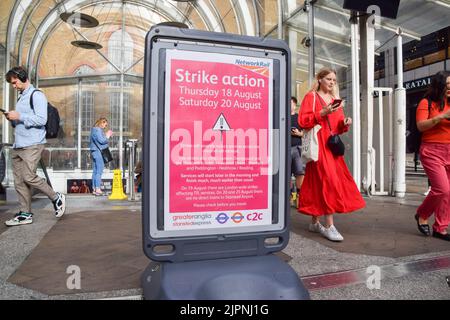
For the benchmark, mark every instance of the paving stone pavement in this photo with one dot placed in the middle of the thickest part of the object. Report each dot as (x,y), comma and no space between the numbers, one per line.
(104,238)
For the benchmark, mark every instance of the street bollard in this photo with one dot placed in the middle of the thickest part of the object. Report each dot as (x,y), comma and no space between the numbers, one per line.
(131,146)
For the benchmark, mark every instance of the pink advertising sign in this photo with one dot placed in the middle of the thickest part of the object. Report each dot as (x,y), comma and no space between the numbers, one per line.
(218,149)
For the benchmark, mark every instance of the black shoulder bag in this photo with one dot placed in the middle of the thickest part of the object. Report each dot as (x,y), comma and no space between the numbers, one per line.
(335,143)
(106,153)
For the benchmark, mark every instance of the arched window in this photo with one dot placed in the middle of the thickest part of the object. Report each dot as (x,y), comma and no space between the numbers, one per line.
(115,46)
(84,69)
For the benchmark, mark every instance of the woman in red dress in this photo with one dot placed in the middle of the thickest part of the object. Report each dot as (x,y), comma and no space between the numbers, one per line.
(328,186)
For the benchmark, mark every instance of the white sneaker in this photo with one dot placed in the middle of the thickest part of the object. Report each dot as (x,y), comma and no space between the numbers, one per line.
(19,219)
(59,204)
(331,233)
(316,227)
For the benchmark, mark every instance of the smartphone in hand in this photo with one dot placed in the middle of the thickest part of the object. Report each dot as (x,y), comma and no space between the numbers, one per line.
(336,103)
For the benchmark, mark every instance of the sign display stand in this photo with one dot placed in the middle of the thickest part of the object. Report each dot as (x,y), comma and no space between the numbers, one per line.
(248,278)
(216,168)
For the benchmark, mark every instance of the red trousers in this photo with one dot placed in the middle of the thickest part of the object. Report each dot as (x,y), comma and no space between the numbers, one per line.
(435,158)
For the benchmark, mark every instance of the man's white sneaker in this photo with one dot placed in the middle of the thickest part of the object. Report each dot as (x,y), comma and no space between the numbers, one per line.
(59,204)
(316,227)
(332,234)
(19,219)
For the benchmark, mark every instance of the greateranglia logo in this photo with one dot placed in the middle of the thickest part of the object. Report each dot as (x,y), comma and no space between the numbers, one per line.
(252,63)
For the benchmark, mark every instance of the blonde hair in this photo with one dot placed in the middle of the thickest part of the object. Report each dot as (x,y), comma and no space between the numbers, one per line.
(322,73)
(100,121)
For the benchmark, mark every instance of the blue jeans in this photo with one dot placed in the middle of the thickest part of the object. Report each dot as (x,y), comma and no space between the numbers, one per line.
(97,169)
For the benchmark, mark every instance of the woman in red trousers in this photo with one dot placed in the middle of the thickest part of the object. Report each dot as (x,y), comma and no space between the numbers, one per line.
(433,120)
(328,186)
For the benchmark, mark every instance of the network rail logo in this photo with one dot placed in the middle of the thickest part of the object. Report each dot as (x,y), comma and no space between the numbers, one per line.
(252,63)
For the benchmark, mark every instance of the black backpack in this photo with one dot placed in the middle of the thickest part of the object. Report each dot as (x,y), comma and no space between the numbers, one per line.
(52,125)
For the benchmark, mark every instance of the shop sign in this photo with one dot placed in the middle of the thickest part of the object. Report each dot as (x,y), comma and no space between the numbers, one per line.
(417,84)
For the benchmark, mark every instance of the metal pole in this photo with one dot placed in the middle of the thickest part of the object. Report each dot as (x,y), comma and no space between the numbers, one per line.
(291,38)
(6,94)
(257,19)
(80,97)
(311,59)
(391,144)
(5,125)
(367,33)
(122,64)
(131,145)
(356,102)
(400,125)
(280,19)
(381,140)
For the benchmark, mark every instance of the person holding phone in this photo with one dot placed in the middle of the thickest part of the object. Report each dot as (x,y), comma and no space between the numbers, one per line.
(297,165)
(337,103)
(98,141)
(328,187)
(29,142)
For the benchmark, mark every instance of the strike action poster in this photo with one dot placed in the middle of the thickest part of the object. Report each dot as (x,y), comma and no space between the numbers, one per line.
(218,116)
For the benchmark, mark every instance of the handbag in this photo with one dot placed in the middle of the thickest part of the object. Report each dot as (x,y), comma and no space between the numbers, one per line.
(310,141)
(106,153)
(335,143)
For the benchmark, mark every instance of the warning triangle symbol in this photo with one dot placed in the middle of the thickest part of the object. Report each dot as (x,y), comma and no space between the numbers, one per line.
(221,124)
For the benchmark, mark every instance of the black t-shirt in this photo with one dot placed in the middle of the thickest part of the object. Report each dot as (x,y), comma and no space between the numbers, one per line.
(295,141)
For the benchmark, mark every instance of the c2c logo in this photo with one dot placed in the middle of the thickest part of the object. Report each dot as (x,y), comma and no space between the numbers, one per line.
(255,216)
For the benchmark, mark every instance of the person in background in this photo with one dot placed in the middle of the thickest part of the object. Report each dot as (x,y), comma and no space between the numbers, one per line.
(84,188)
(29,142)
(98,141)
(328,186)
(297,165)
(74,188)
(138,172)
(434,123)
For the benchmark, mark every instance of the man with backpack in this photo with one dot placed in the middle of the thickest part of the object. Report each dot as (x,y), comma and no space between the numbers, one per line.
(29,120)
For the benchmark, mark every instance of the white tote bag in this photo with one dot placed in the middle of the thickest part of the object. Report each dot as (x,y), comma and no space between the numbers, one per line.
(310,142)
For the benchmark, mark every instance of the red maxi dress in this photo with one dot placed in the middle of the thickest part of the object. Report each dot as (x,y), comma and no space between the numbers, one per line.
(328,186)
